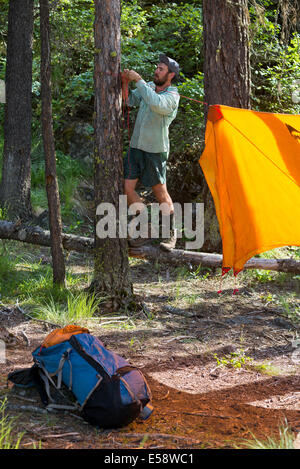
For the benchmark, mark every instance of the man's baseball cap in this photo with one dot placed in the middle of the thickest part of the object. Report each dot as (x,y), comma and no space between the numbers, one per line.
(171,63)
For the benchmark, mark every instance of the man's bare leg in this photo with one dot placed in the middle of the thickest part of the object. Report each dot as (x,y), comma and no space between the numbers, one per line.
(167,209)
(130,192)
(163,197)
(134,198)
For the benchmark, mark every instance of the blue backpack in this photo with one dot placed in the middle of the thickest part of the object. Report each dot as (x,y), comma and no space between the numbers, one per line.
(107,390)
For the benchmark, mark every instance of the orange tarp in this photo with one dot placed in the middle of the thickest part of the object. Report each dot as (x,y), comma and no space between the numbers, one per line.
(251,163)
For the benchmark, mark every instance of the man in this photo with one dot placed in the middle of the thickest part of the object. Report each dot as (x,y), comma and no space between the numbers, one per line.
(149,145)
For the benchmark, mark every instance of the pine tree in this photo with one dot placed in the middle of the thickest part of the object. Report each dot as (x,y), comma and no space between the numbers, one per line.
(111,272)
(227,77)
(16,169)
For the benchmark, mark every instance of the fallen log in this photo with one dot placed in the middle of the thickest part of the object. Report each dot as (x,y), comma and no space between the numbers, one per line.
(36,235)
(179,257)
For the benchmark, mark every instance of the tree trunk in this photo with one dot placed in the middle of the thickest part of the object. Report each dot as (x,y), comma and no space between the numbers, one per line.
(111,272)
(226,46)
(15,184)
(226,78)
(49,149)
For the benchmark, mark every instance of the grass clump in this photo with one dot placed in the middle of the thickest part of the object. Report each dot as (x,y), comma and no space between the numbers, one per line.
(7,439)
(78,309)
(290,310)
(234,359)
(285,440)
(29,280)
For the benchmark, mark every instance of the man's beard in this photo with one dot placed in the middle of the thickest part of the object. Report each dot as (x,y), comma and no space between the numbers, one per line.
(160,82)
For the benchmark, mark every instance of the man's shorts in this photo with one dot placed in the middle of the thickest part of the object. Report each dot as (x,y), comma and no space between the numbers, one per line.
(149,168)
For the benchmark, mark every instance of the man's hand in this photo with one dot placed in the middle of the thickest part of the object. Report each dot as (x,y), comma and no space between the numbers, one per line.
(124,76)
(130,75)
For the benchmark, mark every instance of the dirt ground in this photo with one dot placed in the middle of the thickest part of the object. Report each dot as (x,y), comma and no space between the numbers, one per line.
(186,341)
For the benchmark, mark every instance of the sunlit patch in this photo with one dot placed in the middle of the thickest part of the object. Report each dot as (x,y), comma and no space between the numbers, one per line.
(206,379)
(287,401)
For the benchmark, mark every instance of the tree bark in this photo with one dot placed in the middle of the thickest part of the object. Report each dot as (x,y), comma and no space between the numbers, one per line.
(111,271)
(226,53)
(227,79)
(15,184)
(38,236)
(49,149)
(180,257)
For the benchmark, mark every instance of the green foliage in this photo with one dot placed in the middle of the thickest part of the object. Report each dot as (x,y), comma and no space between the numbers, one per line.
(285,440)
(3,213)
(275,64)
(234,359)
(189,125)
(290,310)
(75,97)
(28,279)
(70,172)
(133,19)
(3,33)
(77,309)
(177,31)
(15,282)
(173,28)
(72,39)
(147,30)
(263,276)
(7,438)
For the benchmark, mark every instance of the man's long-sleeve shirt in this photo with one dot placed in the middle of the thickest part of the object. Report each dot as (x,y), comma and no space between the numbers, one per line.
(156,112)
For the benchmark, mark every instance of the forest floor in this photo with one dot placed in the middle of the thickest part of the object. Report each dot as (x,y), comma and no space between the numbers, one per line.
(222,368)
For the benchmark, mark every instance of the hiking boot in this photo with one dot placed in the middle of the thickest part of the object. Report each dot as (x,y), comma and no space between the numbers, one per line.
(168,223)
(138,242)
(170,243)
